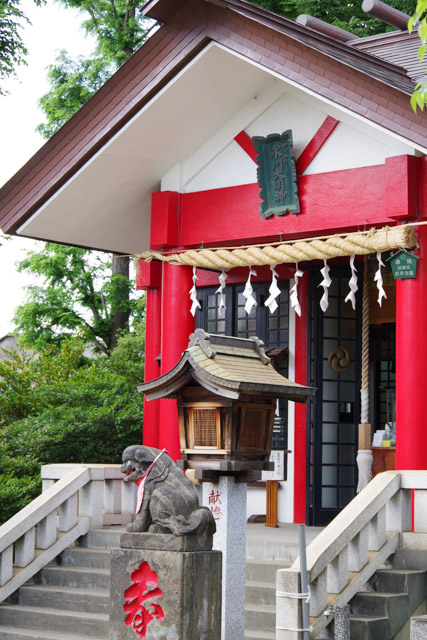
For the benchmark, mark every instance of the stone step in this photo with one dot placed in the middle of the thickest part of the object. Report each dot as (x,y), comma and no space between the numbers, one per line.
(410,581)
(84,577)
(369,628)
(85,557)
(260,593)
(260,617)
(263,570)
(393,606)
(75,622)
(410,559)
(285,552)
(397,580)
(69,598)
(102,538)
(19,633)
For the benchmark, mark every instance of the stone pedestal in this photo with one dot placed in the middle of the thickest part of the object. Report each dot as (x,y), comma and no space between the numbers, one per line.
(165,587)
(227,501)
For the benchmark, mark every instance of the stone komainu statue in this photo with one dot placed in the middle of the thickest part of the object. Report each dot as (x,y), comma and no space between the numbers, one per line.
(170,503)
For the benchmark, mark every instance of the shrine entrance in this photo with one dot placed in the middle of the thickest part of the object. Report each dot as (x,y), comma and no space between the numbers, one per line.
(271,328)
(334,412)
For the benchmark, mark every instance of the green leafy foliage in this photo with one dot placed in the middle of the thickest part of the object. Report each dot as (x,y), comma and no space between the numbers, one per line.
(12,48)
(73,82)
(80,293)
(58,406)
(346,15)
(419,19)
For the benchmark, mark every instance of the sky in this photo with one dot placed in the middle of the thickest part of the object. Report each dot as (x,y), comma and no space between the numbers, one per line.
(53,28)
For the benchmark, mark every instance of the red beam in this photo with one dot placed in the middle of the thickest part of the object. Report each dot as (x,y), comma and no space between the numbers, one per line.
(331,201)
(315,144)
(247,145)
(336,201)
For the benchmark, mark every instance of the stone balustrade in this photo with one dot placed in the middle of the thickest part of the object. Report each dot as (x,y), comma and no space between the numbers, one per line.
(75,498)
(347,553)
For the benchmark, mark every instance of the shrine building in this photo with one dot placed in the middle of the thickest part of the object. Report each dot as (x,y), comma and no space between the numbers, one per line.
(267,173)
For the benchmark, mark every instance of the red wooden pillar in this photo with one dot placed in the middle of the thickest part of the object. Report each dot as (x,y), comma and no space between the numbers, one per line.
(149,277)
(152,365)
(411,364)
(300,437)
(177,325)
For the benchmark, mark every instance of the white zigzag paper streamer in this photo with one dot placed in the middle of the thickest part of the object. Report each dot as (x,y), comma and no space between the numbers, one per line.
(274,292)
(326,283)
(221,305)
(294,291)
(193,295)
(379,280)
(352,284)
(248,293)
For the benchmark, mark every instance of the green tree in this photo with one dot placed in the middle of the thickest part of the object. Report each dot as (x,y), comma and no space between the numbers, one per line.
(118,32)
(12,48)
(72,84)
(80,292)
(56,406)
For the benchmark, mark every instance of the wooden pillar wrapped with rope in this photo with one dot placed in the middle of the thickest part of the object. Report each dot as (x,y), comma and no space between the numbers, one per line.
(364,454)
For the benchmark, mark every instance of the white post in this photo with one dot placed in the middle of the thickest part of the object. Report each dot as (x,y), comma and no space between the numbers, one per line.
(91,502)
(67,514)
(227,501)
(6,565)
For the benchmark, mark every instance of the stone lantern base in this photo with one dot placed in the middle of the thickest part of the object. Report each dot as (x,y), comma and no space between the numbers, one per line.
(165,587)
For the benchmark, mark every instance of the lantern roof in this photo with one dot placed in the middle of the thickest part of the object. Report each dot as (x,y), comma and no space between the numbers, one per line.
(228,367)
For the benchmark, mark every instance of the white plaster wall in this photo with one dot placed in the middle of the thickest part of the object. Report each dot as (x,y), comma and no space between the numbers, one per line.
(256,502)
(354,143)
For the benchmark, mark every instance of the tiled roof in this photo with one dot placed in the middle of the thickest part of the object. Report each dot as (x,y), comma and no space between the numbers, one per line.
(228,366)
(398,47)
(349,76)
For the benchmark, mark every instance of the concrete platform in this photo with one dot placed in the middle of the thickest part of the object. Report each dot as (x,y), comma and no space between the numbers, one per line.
(281,543)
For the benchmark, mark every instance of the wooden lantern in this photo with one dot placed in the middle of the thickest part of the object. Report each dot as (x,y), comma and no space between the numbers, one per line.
(226,391)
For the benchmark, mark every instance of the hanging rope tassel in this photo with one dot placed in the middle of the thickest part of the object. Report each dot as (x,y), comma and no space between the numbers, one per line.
(352,284)
(294,291)
(326,283)
(274,292)
(193,295)
(379,280)
(248,293)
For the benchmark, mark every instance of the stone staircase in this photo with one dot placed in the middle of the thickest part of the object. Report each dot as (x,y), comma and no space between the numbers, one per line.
(392,597)
(267,550)
(67,600)
(382,612)
(260,619)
